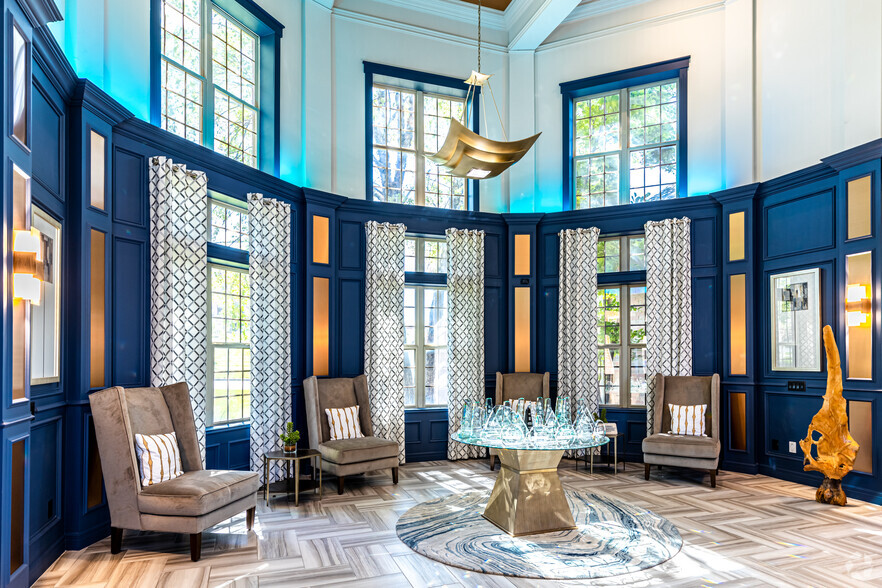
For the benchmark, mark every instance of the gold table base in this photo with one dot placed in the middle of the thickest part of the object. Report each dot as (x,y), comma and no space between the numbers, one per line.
(527,498)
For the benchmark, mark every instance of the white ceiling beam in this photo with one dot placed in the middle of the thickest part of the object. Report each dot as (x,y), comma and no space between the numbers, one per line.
(542,17)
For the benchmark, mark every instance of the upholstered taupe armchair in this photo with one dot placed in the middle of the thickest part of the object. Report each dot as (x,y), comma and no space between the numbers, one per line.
(346,457)
(688,451)
(528,386)
(190,503)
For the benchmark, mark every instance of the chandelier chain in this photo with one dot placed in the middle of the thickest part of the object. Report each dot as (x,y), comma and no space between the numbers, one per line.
(479,35)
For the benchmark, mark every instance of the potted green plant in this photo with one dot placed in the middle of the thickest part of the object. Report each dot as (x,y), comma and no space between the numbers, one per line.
(290,437)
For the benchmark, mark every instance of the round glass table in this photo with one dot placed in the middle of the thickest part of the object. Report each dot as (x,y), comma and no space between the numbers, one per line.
(527,498)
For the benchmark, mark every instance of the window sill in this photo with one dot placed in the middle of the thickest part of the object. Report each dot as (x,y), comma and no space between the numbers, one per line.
(427,408)
(228,427)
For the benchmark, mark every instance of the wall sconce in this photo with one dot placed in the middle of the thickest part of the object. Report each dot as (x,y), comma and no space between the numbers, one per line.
(857,305)
(27,263)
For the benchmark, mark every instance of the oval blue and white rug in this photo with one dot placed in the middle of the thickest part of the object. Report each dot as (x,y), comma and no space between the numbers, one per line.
(612,538)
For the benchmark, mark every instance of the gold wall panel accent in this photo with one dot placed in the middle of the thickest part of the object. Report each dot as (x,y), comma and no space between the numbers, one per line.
(96,170)
(21,212)
(321,241)
(736,236)
(859,342)
(95,476)
(522,329)
(320,327)
(737,325)
(860,421)
(522,255)
(97,311)
(738,421)
(17,511)
(860,207)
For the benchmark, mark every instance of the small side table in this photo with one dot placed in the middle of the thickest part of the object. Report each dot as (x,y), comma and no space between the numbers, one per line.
(615,446)
(311,454)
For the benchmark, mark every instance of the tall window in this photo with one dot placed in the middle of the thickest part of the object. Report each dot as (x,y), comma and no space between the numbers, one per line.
(625,136)
(425,326)
(209,79)
(626,146)
(622,334)
(409,125)
(229,355)
(621,323)
(228,350)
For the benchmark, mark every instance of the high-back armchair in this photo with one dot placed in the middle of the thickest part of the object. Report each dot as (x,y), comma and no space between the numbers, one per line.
(190,503)
(690,451)
(346,457)
(526,385)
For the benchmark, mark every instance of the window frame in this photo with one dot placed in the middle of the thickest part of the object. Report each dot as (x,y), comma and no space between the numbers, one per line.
(209,408)
(226,258)
(420,280)
(624,346)
(416,81)
(268,32)
(633,78)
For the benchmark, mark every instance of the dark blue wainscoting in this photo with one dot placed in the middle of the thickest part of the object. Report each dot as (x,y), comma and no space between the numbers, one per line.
(227,447)
(425,434)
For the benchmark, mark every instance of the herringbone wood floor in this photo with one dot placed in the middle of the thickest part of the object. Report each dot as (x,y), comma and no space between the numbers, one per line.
(749,531)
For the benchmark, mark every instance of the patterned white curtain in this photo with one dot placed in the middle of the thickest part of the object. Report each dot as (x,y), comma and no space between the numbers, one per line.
(269,276)
(577,319)
(178,282)
(668,304)
(465,330)
(384,329)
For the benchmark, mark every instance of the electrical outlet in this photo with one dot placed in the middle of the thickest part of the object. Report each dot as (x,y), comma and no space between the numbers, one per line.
(793,447)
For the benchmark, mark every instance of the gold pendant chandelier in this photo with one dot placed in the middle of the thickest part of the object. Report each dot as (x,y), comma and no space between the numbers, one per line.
(465,153)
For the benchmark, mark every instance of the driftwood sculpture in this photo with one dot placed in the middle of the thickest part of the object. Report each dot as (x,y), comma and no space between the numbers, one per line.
(828,433)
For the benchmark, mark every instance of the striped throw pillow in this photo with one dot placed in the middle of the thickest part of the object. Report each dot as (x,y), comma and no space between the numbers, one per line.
(158,457)
(687,420)
(344,423)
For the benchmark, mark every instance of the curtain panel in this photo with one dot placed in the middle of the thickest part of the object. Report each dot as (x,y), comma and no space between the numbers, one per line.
(178,282)
(269,277)
(465,330)
(577,344)
(668,304)
(384,329)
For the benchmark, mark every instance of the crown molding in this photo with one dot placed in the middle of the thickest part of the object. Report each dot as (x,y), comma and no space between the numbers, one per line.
(417,30)
(712,6)
(593,8)
(454,10)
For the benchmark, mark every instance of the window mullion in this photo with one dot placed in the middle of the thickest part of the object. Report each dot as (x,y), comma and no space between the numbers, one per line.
(625,387)
(420,147)
(208,91)
(625,144)
(420,359)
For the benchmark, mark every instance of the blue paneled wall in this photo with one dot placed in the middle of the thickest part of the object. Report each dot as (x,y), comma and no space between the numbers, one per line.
(797,221)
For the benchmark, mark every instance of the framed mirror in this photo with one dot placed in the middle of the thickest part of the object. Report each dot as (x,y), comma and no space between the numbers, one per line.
(796,321)
(45,318)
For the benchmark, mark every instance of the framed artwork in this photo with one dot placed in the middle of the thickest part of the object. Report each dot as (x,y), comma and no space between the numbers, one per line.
(45,318)
(796,321)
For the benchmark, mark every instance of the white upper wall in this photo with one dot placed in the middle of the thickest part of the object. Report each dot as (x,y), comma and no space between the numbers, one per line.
(773,86)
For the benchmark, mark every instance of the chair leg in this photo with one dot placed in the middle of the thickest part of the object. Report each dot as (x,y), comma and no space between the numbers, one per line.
(249,517)
(394,475)
(195,546)
(713,474)
(492,462)
(115,539)
(340,484)
(646,467)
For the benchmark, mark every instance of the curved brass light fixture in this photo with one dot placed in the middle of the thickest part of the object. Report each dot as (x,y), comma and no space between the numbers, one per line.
(465,153)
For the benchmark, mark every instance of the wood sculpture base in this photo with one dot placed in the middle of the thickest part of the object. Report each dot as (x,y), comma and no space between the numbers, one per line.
(831,492)
(527,498)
